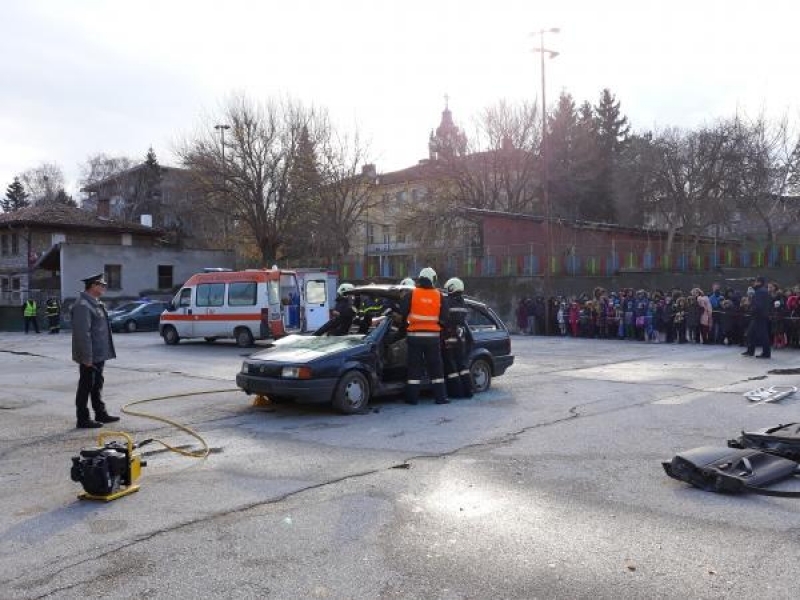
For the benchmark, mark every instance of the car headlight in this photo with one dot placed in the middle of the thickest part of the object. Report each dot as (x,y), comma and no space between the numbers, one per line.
(245,368)
(296,372)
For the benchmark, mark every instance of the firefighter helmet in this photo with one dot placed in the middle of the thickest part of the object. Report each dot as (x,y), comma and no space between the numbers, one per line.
(429,274)
(454,285)
(407,282)
(343,288)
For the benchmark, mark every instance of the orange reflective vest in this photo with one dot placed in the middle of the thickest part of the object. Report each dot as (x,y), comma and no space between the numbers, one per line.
(423,317)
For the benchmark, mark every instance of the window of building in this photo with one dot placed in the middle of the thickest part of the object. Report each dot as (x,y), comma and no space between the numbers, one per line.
(58,238)
(4,244)
(165,277)
(242,293)
(114,276)
(401,196)
(127,239)
(210,294)
(14,244)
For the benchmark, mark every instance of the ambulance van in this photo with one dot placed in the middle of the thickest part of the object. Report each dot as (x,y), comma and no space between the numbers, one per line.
(249,305)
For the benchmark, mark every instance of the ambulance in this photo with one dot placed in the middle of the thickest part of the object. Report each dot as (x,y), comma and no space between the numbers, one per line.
(249,305)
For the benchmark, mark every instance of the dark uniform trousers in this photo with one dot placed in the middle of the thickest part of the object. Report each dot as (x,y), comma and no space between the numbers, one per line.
(457,376)
(424,350)
(90,385)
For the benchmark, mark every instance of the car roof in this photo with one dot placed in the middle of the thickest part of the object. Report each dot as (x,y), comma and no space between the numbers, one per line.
(395,292)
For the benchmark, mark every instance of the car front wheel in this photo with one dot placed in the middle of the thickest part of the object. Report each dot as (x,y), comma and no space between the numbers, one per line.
(352,393)
(481,372)
(130,326)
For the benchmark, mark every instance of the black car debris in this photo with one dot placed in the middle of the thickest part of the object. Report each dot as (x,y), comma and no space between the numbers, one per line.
(347,371)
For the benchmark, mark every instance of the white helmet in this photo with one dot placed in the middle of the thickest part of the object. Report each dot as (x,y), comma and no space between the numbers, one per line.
(454,285)
(429,274)
(343,288)
(407,282)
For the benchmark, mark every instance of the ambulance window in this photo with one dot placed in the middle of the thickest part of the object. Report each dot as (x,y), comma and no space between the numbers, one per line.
(242,293)
(185,297)
(210,294)
(315,291)
(274,292)
(288,288)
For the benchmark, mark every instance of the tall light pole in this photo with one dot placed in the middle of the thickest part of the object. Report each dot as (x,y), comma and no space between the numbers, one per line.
(221,129)
(545,176)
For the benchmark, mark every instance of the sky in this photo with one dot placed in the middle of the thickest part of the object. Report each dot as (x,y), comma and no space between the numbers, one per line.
(81,77)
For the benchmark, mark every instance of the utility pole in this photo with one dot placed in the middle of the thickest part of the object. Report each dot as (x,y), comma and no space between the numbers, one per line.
(545,180)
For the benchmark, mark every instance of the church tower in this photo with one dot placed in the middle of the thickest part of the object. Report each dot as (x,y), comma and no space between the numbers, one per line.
(448,140)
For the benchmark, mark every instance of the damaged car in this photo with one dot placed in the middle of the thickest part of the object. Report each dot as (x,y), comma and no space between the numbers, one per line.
(347,371)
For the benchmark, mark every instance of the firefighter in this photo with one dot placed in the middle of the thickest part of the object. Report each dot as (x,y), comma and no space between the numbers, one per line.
(53,313)
(456,342)
(407,282)
(29,313)
(370,308)
(343,311)
(424,310)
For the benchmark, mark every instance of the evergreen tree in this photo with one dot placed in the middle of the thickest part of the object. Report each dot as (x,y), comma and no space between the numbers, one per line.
(561,140)
(15,197)
(587,163)
(612,131)
(146,198)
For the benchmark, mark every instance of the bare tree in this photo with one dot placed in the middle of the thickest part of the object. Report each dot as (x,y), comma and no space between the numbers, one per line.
(769,161)
(101,167)
(251,185)
(43,183)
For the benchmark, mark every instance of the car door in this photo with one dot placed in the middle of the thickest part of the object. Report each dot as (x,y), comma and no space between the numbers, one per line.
(150,315)
(486,331)
(315,298)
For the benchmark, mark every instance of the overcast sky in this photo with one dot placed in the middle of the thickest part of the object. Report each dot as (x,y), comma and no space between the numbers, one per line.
(81,77)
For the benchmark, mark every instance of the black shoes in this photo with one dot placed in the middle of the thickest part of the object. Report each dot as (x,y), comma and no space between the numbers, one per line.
(411,402)
(88,424)
(106,418)
(763,356)
(443,401)
(746,353)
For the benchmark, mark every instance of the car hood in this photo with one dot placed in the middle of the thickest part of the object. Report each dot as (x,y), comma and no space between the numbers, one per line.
(305,348)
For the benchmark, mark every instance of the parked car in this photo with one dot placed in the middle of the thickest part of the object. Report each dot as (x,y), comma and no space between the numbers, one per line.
(139,316)
(347,371)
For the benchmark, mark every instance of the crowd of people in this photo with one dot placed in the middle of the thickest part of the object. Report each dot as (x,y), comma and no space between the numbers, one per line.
(723,316)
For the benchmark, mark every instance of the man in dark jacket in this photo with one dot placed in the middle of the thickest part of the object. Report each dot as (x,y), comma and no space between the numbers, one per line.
(457,342)
(759,333)
(92,346)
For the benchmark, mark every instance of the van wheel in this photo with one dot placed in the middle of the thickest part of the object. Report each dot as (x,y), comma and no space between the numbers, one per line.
(130,326)
(170,336)
(244,339)
(352,393)
(481,372)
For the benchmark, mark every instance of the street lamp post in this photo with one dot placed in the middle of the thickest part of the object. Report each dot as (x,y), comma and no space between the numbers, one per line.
(221,129)
(545,176)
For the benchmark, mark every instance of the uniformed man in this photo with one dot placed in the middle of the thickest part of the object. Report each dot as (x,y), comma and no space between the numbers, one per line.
(53,313)
(92,346)
(457,342)
(424,310)
(343,311)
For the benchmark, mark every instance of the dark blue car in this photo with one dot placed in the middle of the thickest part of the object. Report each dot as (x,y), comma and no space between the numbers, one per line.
(346,371)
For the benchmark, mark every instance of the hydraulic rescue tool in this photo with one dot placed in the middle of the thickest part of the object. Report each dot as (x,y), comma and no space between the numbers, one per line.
(110,470)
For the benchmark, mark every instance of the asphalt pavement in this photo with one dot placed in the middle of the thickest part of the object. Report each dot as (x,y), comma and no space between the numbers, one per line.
(549,485)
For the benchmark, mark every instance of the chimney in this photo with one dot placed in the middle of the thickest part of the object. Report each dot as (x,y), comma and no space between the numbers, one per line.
(146,220)
(103,207)
(369,170)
